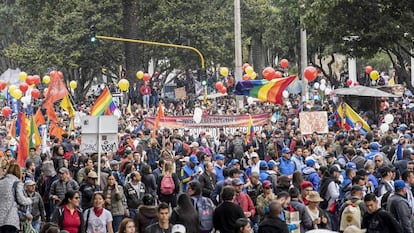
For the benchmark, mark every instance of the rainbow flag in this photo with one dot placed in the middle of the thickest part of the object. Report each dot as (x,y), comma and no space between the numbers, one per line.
(250,129)
(104,105)
(269,91)
(347,118)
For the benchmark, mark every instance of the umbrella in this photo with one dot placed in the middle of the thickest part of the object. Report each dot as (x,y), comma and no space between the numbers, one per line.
(363,91)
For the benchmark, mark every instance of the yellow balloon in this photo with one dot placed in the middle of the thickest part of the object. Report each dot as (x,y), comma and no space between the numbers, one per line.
(253,75)
(224,71)
(140,74)
(249,70)
(12,88)
(73,84)
(374,75)
(22,76)
(46,79)
(123,84)
(17,94)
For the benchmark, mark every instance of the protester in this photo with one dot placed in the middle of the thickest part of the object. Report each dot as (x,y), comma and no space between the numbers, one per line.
(68,216)
(97,218)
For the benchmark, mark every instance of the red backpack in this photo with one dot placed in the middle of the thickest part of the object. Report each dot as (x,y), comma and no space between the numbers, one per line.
(167,185)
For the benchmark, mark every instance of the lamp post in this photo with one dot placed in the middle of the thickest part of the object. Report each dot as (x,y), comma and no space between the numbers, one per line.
(303,57)
(351,59)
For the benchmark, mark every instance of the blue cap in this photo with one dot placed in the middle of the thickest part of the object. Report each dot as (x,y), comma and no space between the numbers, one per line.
(193,159)
(233,161)
(403,127)
(219,157)
(399,184)
(310,162)
(375,146)
(407,136)
(351,165)
(286,150)
(271,164)
(262,163)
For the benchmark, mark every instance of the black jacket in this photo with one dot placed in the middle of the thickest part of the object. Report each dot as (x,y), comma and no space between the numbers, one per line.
(380,222)
(58,215)
(272,225)
(207,183)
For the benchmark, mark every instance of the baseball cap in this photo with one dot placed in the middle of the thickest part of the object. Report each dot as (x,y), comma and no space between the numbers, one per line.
(236,181)
(286,150)
(310,162)
(193,159)
(233,161)
(219,157)
(92,174)
(255,155)
(306,184)
(351,165)
(114,162)
(374,146)
(178,228)
(266,184)
(399,184)
(29,182)
(356,188)
(329,155)
(335,168)
(262,163)
(271,164)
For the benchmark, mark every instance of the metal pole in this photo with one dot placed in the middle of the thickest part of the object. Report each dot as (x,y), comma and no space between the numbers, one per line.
(303,63)
(237,42)
(99,150)
(352,69)
(412,67)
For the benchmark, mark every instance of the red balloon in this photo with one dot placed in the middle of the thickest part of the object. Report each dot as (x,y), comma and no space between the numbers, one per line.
(368,69)
(6,111)
(3,85)
(310,73)
(223,90)
(23,87)
(30,80)
(146,77)
(60,74)
(246,77)
(53,74)
(219,86)
(278,74)
(36,79)
(269,73)
(349,82)
(284,63)
(35,93)
(245,65)
(356,83)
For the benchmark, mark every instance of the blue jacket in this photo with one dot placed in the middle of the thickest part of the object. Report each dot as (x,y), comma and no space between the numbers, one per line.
(310,174)
(263,175)
(371,154)
(219,173)
(286,167)
(187,172)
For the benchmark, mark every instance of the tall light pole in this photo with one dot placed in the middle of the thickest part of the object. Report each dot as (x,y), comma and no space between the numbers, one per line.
(303,60)
(352,72)
(237,48)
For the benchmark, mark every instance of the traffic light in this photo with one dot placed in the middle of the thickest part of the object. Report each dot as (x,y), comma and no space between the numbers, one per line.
(204,82)
(92,33)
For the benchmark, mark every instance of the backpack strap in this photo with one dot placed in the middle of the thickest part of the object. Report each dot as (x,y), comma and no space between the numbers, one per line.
(87,218)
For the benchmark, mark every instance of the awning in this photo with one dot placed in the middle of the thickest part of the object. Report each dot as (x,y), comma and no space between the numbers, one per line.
(363,91)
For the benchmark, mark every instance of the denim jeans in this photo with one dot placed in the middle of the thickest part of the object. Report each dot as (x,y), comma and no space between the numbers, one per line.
(116,222)
(132,213)
(145,100)
(36,225)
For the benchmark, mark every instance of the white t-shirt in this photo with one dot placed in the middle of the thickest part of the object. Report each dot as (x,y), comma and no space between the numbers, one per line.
(97,224)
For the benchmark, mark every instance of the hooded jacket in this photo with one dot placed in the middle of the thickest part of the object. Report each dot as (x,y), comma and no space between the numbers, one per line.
(146,216)
(310,174)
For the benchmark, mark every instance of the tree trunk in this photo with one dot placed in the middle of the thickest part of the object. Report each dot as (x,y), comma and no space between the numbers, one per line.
(258,55)
(130,22)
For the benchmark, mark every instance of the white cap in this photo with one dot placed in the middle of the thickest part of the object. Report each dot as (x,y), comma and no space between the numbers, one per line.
(178,228)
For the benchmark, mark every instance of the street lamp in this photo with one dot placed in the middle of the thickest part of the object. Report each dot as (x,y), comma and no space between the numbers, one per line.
(352,72)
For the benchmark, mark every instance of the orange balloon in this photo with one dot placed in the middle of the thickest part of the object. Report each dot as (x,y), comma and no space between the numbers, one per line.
(219,85)
(245,65)
(284,63)
(278,74)
(310,73)
(246,77)
(223,90)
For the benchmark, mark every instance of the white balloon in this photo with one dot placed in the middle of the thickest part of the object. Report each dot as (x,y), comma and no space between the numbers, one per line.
(322,87)
(389,118)
(285,94)
(117,113)
(316,85)
(384,127)
(373,82)
(250,100)
(323,81)
(328,91)
(198,113)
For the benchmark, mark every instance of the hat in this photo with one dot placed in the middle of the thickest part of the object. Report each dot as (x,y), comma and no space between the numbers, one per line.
(271,164)
(186,130)
(193,159)
(178,228)
(233,161)
(114,162)
(185,159)
(310,162)
(254,155)
(335,168)
(403,127)
(356,188)
(329,155)
(399,184)
(351,165)
(266,184)
(63,170)
(384,170)
(29,182)
(306,184)
(147,131)
(314,197)
(364,141)
(194,144)
(262,163)
(236,182)
(286,150)
(374,146)
(407,136)
(219,157)
(353,229)
(12,142)
(277,131)
(92,174)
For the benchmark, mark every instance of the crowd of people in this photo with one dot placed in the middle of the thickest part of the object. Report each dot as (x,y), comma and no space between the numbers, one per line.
(279,180)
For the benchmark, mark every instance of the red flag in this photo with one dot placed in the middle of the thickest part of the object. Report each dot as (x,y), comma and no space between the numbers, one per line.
(157,120)
(50,113)
(38,118)
(23,148)
(55,130)
(56,91)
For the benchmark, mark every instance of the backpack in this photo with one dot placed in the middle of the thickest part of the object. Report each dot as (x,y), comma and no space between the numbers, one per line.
(384,199)
(351,215)
(238,149)
(21,209)
(205,208)
(167,185)
(380,185)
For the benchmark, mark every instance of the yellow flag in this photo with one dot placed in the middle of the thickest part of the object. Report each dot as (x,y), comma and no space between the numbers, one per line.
(67,106)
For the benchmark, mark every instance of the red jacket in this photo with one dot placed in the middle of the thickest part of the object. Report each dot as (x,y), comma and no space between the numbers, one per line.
(245,202)
(145,90)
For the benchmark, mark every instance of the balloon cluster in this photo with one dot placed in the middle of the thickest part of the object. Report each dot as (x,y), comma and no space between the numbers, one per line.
(388,119)
(350,83)
(269,73)
(144,76)
(221,88)
(249,72)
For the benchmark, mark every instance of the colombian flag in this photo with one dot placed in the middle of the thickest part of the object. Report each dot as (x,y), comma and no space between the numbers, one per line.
(347,118)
